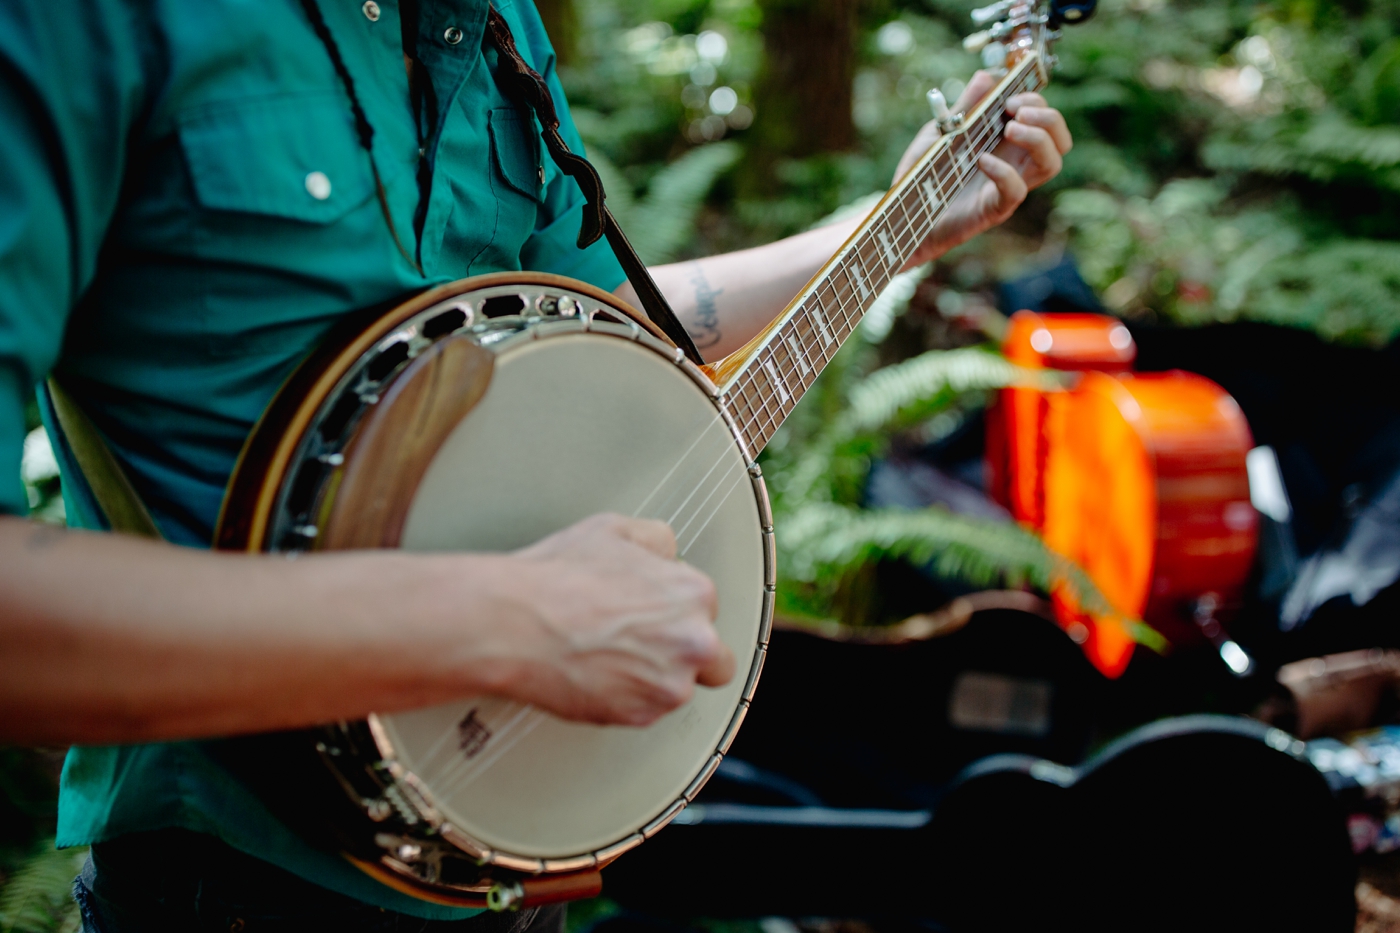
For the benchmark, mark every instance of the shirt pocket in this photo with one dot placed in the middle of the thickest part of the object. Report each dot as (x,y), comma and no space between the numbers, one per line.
(292,157)
(515,151)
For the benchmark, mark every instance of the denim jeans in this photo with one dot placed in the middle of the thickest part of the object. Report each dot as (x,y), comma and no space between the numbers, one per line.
(175,881)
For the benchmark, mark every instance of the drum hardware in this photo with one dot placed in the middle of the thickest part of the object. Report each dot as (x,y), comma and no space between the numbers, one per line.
(398,434)
(1203,613)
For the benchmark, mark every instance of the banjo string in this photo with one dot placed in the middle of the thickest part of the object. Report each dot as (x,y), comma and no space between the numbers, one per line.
(448,779)
(717,419)
(522,724)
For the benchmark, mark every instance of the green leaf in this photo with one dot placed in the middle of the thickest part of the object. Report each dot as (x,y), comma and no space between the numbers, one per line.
(37,897)
(824,544)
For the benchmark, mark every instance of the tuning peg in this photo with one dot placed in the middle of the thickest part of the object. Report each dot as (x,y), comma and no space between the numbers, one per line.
(946,120)
(977,41)
(988,13)
(939,105)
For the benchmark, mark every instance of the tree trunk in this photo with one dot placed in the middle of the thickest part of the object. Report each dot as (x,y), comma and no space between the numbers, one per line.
(803,97)
(561,22)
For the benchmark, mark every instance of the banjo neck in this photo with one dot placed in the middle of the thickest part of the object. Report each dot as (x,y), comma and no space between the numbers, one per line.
(764,380)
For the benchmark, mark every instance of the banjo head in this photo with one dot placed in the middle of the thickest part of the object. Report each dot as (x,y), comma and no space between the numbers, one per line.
(488,437)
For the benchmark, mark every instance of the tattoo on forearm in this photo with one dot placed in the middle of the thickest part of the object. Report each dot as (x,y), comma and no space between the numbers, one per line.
(704,330)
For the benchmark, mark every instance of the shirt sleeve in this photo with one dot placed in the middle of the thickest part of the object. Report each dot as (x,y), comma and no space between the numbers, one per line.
(69,87)
(553,247)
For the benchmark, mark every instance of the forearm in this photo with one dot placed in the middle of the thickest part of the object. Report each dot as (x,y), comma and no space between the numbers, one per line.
(725,300)
(113,639)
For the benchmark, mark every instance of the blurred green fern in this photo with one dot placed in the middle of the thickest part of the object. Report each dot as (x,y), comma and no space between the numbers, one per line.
(819,465)
(663,221)
(37,896)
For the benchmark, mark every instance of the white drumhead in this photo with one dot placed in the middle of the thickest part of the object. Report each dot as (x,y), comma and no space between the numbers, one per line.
(571,426)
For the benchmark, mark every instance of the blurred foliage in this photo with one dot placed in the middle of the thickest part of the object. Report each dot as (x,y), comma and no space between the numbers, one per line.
(1237,161)
(1232,159)
(35,878)
(36,898)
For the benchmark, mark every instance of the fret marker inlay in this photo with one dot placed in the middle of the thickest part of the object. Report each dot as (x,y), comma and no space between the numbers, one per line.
(931,194)
(816,312)
(858,277)
(777,381)
(890,255)
(798,356)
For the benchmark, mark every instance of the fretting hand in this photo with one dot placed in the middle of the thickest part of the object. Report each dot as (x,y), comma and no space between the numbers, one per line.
(1030,155)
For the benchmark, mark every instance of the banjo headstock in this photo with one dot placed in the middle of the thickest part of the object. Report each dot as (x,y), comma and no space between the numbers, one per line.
(1015,28)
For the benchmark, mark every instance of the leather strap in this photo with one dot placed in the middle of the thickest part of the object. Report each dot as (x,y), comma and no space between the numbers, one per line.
(529,88)
(121,505)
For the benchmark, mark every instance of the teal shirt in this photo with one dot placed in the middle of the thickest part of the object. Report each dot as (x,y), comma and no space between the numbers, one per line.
(162,249)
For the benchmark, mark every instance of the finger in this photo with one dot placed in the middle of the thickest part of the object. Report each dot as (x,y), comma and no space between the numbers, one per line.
(1026,99)
(976,89)
(654,535)
(719,670)
(1011,187)
(1039,146)
(923,141)
(1050,120)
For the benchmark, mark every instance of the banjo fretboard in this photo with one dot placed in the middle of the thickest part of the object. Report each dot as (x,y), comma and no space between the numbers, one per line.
(764,381)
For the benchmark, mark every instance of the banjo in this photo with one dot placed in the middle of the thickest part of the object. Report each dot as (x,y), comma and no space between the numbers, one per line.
(490,412)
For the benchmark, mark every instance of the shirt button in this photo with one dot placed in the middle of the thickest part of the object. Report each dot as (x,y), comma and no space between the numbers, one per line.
(452,36)
(371,10)
(318,185)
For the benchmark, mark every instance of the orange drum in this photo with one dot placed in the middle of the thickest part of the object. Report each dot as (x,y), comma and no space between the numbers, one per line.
(1015,430)
(1140,478)
(1145,488)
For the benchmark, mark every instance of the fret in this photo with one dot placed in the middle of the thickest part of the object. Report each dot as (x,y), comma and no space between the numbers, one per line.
(967,157)
(910,233)
(851,297)
(797,368)
(897,243)
(765,402)
(811,340)
(805,334)
(830,296)
(914,209)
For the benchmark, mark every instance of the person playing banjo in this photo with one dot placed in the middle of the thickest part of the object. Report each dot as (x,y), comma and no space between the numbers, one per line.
(194,196)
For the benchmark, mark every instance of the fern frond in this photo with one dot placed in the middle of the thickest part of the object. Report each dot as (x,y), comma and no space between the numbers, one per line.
(916,388)
(665,219)
(617,189)
(37,898)
(825,541)
(887,392)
